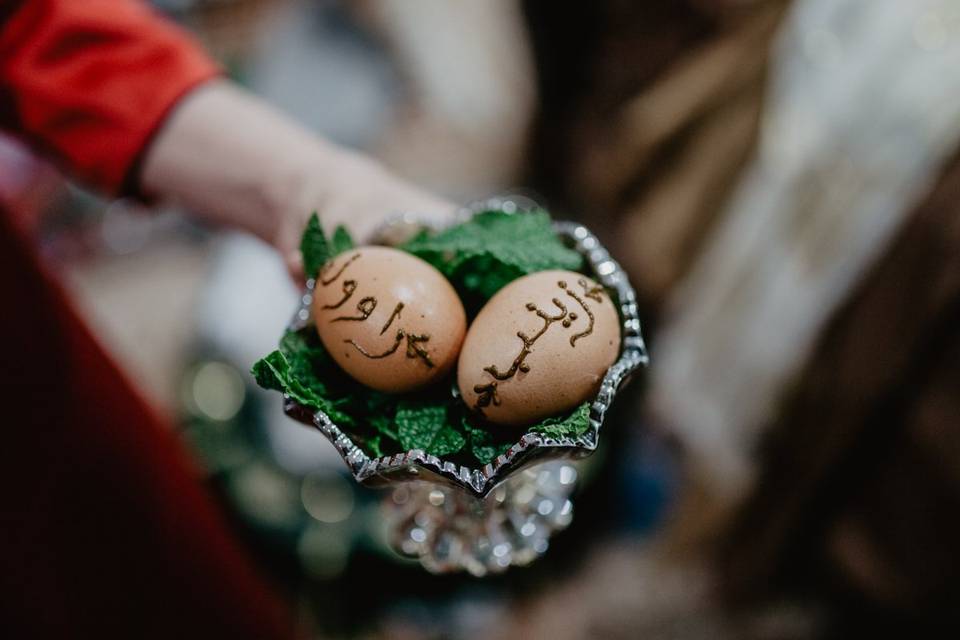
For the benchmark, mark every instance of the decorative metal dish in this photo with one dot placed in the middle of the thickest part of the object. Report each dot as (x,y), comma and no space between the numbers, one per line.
(436,477)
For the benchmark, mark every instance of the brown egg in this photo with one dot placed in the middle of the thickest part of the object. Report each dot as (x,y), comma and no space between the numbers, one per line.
(539,348)
(389,319)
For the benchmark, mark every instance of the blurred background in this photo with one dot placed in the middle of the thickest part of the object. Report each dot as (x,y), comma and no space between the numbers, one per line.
(781,180)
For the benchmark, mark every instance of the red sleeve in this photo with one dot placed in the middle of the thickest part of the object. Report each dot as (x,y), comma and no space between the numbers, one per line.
(89,81)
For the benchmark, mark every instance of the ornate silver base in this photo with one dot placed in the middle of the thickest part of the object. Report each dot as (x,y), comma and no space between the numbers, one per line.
(448,529)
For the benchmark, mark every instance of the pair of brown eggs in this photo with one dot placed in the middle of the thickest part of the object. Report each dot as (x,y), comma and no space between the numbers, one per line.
(538,348)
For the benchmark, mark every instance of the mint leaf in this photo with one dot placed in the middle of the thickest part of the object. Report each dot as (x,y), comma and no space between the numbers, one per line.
(341,241)
(372,445)
(270,372)
(447,441)
(424,426)
(299,369)
(482,445)
(306,358)
(273,372)
(302,369)
(383,425)
(314,247)
(571,426)
(484,274)
(493,248)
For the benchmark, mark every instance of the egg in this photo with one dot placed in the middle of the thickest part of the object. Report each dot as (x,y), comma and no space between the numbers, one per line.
(538,348)
(389,319)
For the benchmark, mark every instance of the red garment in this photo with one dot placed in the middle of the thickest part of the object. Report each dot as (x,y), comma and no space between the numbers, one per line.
(89,81)
(105,529)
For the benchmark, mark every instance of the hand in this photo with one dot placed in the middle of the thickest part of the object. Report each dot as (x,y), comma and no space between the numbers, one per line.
(233,160)
(360,194)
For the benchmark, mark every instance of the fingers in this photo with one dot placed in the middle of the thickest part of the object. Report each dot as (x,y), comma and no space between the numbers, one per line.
(294,262)
(365,196)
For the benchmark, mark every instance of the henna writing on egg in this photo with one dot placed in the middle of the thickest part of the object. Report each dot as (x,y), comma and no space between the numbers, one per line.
(414,350)
(365,307)
(587,292)
(377,356)
(415,342)
(519,363)
(329,265)
(393,316)
(349,286)
(591,291)
(488,392)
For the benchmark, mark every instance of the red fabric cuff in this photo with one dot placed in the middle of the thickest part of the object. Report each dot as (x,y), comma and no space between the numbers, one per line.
(90,81)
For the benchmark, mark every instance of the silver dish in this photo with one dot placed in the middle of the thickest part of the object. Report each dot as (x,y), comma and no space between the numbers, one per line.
(435,477)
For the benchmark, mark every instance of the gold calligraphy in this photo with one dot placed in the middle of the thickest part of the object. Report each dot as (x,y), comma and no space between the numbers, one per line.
(415,343)
(364,308)
(349,286)
(488,392)
(393,316)
(329,265)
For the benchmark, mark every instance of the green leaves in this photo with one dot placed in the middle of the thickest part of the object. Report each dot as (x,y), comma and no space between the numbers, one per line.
(298,368)
(385,424)
(341,240)
(493,248)
(479,257)
(316,249)
(482,444)
(271,372)
(571,426)
(425,426)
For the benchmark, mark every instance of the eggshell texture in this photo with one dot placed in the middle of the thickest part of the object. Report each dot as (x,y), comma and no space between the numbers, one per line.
(538,348)
(389,319)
